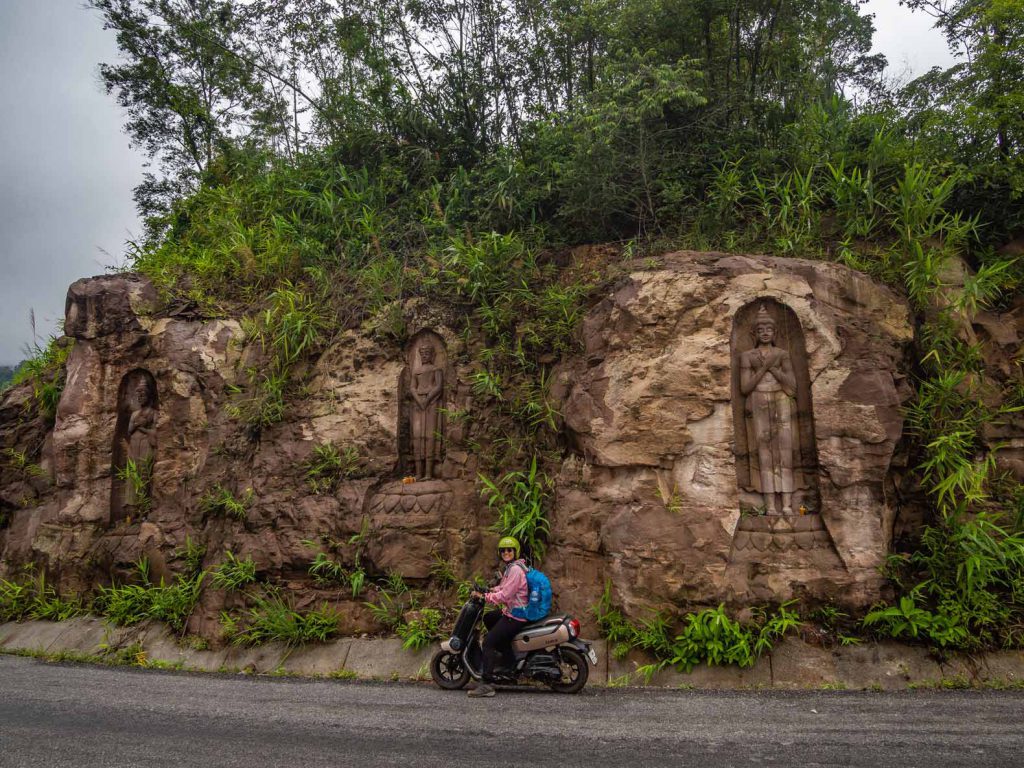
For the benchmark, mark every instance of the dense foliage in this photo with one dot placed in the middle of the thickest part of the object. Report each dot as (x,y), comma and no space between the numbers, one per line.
(708,636)
(319,161)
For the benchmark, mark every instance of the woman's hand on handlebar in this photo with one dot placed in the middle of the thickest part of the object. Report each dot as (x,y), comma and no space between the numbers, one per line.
(477,594)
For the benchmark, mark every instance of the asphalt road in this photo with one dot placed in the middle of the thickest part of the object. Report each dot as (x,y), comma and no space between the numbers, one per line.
(56,715)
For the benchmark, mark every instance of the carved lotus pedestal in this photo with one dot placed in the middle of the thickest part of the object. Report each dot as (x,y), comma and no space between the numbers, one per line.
(410,524)
(424,498)
(781,533)
(792,555)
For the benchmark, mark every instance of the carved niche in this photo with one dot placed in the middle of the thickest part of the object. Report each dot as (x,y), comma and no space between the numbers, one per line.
(421,426)
(776,454)
(773,419)
(134,447)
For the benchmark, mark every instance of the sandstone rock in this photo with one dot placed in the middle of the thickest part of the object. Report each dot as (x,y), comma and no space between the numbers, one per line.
(647,497)
(653,392)
(108,305)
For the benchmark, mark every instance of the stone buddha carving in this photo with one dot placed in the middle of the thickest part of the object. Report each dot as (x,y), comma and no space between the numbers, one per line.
(426,390)
(142,427)
(769,386)
(134,444)
(776,457)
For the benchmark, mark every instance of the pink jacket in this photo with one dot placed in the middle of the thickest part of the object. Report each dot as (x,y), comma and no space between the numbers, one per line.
(512,591)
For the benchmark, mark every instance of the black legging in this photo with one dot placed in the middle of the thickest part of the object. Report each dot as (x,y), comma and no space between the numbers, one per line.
(500,631)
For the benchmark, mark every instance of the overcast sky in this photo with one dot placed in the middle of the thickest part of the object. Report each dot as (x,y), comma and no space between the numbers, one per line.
(67,171)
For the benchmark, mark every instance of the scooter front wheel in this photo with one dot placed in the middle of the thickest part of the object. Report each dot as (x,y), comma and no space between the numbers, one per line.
(448,670)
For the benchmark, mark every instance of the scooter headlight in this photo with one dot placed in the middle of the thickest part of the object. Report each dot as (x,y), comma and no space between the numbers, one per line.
(455,643)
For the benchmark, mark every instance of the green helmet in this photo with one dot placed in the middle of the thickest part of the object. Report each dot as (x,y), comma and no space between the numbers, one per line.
(509,541)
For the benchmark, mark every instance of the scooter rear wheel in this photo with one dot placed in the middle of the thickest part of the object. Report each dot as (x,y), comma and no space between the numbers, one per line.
(574,672)
(448,670)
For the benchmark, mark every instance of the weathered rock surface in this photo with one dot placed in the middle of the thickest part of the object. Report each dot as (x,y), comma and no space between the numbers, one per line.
(1000,335)
(646,496)
(650,499)
(348,399)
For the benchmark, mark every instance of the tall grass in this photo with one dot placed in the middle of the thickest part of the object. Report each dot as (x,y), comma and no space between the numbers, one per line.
(44,371)
(963,588)
(271,618)
(128,604)
(32,598)
(234,573)
(520,500)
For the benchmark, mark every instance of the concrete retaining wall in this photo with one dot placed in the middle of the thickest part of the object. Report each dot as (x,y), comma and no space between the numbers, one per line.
(793,664)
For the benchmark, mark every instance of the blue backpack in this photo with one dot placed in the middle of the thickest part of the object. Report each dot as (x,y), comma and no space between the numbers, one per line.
(538,596)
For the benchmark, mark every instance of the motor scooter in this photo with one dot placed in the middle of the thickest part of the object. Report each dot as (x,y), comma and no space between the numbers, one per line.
(549,651)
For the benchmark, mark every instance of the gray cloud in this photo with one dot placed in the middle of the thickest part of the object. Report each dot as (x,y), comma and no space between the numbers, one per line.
(908,40)
(67,169)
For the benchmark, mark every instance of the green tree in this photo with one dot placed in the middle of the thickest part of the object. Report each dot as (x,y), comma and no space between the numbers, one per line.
(188,94)
(976,107)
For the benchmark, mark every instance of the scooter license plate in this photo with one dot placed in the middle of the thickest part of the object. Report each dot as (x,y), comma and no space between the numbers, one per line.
(592,656)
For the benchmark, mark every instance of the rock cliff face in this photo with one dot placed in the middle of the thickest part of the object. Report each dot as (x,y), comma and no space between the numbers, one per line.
(651,500)
(648,495)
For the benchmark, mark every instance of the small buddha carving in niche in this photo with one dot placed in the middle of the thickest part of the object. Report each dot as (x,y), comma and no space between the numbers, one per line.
(776,456)
(768,384)
(134,443)
(423,401)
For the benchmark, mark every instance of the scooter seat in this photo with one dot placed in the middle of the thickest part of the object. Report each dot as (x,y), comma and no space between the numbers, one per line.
(557,618)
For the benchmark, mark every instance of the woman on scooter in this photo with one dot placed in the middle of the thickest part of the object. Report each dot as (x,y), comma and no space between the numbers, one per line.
(510,593)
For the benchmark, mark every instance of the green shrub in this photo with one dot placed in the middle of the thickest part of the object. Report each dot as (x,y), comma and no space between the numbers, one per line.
(125,604)
(175,602)
(129,604)
(357,580)
(221,501)
(394,600)
(963,587)
(15,600)
(193,554)
(442,571)
(48,605)
(327,466)
(421,630)
(20,463)
(272,619)
(262,404)
(234,573)
(137,476)
(326,571)
(292,326)
(44,370)
(33,598)
(395,583)
(709,636)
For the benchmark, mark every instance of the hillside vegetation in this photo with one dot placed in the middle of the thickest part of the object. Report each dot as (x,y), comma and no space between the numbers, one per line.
(315,164)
